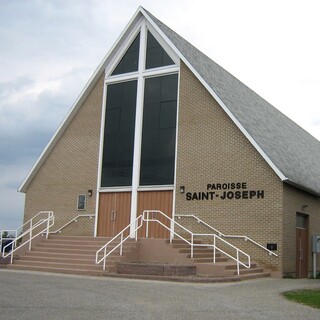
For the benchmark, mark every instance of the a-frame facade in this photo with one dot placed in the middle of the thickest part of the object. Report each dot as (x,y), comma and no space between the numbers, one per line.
(161,126)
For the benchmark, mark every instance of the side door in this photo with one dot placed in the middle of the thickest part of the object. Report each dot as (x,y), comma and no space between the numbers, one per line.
(302,246)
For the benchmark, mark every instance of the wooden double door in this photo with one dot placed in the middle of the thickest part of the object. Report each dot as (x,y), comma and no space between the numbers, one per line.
(115,211)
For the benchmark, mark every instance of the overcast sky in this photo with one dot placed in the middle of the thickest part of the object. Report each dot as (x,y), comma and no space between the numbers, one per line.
(50,48)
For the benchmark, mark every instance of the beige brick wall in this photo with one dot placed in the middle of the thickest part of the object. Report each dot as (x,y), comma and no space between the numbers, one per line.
(294,199)
(71,168)
(211,149)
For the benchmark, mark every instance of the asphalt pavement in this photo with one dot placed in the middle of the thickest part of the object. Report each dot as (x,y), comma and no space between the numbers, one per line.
(32,295)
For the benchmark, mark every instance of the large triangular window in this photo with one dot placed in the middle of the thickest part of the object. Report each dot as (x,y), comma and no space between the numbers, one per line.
(156,55)
(130,61)
(139,140)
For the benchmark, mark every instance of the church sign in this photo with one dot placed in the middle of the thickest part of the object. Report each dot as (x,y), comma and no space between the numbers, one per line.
(226,191)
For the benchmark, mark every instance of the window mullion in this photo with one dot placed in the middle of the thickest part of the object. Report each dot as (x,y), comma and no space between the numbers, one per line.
(138,126)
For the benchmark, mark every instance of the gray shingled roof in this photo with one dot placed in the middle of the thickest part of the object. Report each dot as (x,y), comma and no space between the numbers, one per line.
(294,152)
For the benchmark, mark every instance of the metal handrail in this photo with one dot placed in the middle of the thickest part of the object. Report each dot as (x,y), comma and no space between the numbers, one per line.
(224,235)
(192,244)
(145,217)
(137,225)
(73,220)
(47,222)
(12,237)
(28,224)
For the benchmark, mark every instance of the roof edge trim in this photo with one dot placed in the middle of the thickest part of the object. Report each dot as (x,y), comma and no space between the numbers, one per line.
(299,186)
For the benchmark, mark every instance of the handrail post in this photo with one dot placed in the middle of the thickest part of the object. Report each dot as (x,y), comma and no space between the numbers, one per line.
(11,260)
(104,260)
(238,266)
(30,236)
(147,226)
(48,223)
(191,245)
(136,228)
(1,241)
(214,248)
(121,242)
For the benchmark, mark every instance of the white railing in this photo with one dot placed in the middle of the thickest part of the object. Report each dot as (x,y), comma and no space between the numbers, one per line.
(27,230)
(136,224)
(148,217)
(75,219)
(215,238)
(245,238)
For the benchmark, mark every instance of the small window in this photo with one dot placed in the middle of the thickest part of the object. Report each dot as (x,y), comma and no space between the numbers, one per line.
(301,221)
(82,202)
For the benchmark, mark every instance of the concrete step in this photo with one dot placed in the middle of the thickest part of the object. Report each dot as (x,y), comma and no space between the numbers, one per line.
(59,242)
(187,246)
(63,250)
(78,251)
(78,238)
(229,269)
(210,259)
(231,265)
(252,276)
(56,264)
(75,260)
(198,250)
(4,262)
(58,269)
(145,268)
(203,259)
(71,254)
(207,254)
(66,245)
(55,255)
(244,271)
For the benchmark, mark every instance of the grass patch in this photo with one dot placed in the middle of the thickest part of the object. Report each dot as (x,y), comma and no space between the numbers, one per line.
(307,297)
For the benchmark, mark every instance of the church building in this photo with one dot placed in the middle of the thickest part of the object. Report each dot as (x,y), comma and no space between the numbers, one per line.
(160,126)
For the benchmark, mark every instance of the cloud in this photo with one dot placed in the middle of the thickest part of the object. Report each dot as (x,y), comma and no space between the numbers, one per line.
(11,201)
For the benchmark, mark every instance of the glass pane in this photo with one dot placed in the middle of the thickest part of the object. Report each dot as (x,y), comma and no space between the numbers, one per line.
(119,134)
(81,202)
(168,115)
(159,131)
(301,221)
(156,55)
(129,62)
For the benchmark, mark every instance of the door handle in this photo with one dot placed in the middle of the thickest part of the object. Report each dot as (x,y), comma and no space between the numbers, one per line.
(113,215)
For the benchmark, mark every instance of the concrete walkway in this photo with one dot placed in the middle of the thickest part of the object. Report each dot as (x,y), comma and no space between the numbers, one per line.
(31,295)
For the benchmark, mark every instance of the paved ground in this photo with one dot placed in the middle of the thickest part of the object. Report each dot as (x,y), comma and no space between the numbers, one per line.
(30,295)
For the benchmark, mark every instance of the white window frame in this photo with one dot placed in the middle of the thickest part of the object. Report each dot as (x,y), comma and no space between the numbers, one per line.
(140,75)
